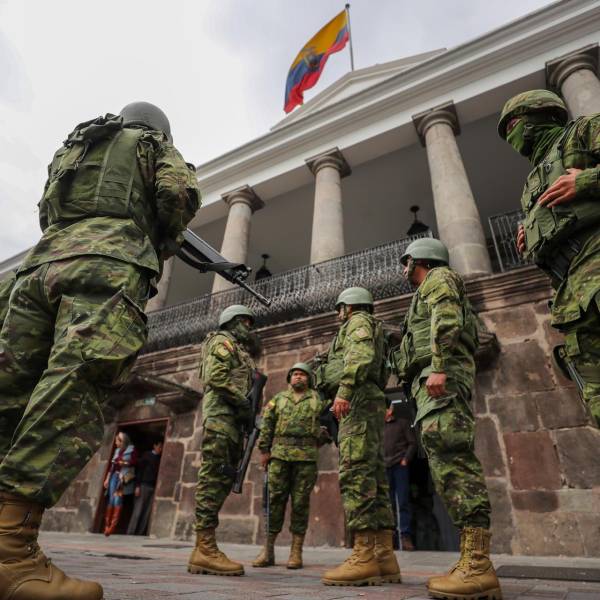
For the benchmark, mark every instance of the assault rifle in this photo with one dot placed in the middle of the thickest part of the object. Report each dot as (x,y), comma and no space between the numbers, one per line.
(566,365)
(203,257)
(251,429)
(327,419)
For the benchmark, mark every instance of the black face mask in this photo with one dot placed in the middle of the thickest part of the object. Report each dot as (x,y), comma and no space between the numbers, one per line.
(533,135)
(245,336)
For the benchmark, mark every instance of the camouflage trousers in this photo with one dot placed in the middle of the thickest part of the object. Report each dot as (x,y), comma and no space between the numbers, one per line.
(296,480)
(72,329)
(448,437)
(363,481)
(582,344)
(214,482)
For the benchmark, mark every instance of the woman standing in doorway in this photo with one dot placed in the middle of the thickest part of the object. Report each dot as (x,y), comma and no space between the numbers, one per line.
(120,480)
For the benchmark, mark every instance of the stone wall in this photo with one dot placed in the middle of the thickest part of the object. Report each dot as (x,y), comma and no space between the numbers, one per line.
(534,437)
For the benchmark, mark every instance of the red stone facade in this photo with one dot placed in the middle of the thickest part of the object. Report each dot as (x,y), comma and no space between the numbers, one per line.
(534,437)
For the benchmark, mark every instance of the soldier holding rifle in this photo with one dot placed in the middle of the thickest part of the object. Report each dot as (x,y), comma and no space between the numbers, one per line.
(226,372)
(116,202)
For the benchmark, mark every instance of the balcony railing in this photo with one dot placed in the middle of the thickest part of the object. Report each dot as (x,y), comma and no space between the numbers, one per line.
(301,292)
(504,229)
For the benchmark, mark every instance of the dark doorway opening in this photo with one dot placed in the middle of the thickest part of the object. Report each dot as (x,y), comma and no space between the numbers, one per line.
(431,526)
(143,435)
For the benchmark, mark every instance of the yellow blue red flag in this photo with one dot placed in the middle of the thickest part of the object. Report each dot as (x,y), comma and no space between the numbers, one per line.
(310,62)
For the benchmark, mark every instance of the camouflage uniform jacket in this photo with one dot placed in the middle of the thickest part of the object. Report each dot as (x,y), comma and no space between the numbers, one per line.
(226,374)
(440,334)
(290,428)
(356,355)
(115,191)
(6,287)
(581,150)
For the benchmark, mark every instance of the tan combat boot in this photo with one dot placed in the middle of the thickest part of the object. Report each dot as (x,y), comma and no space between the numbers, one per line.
(25,573)
(361,567)
(384,553)
(207,559)
(473,577)
(266,558)
(295,559)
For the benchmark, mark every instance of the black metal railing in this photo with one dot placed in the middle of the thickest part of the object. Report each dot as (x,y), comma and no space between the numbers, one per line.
(504,234)
(301,292)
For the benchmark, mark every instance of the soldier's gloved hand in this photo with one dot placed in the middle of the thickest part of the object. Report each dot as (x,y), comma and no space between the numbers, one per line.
(245,414)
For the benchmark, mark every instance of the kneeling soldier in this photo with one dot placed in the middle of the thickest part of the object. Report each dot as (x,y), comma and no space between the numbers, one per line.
(289,438)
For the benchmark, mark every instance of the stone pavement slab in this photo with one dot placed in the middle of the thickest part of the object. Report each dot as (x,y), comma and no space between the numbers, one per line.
(132,568)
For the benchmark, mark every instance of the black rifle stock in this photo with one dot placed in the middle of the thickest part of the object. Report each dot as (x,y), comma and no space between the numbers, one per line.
(203,257)
(252,431)
(327,419)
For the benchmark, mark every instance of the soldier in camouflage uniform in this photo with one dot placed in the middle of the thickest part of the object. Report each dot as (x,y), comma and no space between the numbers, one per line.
(436,364)
(226,374)
(355,376)
(289,438)
(117,199)
(561,229)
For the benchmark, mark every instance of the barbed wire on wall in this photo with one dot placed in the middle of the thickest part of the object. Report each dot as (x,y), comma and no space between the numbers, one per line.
(301,292)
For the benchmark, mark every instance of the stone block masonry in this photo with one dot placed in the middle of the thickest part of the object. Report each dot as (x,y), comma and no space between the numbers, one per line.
(535,439)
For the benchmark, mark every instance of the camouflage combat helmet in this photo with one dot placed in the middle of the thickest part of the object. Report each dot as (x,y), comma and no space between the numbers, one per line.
(300,366)
(354,295)
(235,310)
(530,102)
(426,249)
(149,115)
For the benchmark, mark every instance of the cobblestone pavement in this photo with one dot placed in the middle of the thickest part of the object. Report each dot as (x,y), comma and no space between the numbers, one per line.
(139,567)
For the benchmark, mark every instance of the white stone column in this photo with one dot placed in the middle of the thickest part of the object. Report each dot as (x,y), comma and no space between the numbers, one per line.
(328,214)
(574,76)
(242,202)
(159,301)
(458,220)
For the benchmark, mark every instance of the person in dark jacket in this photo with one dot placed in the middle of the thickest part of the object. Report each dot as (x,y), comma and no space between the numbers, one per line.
(146,475)
(399,448)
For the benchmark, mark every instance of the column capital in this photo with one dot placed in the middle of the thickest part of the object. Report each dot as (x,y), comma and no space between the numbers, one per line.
(243,194)
(332,158)
(558,69)
(445,113)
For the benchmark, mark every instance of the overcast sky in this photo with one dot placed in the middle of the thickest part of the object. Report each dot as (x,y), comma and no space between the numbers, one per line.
(216,67)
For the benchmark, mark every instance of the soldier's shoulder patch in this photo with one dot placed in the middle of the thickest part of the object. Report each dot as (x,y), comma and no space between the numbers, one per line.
(224,350)
(270,405)
(361,333)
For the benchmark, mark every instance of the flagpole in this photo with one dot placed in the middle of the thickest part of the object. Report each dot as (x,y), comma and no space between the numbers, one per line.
(350,38)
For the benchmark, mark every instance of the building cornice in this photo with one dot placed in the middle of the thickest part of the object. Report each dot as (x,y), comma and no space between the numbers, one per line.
(470,64)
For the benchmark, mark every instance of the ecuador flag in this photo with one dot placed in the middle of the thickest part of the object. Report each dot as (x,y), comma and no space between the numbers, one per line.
(310,62)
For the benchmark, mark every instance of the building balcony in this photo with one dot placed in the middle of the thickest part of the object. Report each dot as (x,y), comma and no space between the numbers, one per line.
(313,289)
(503,227)
(296,293)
